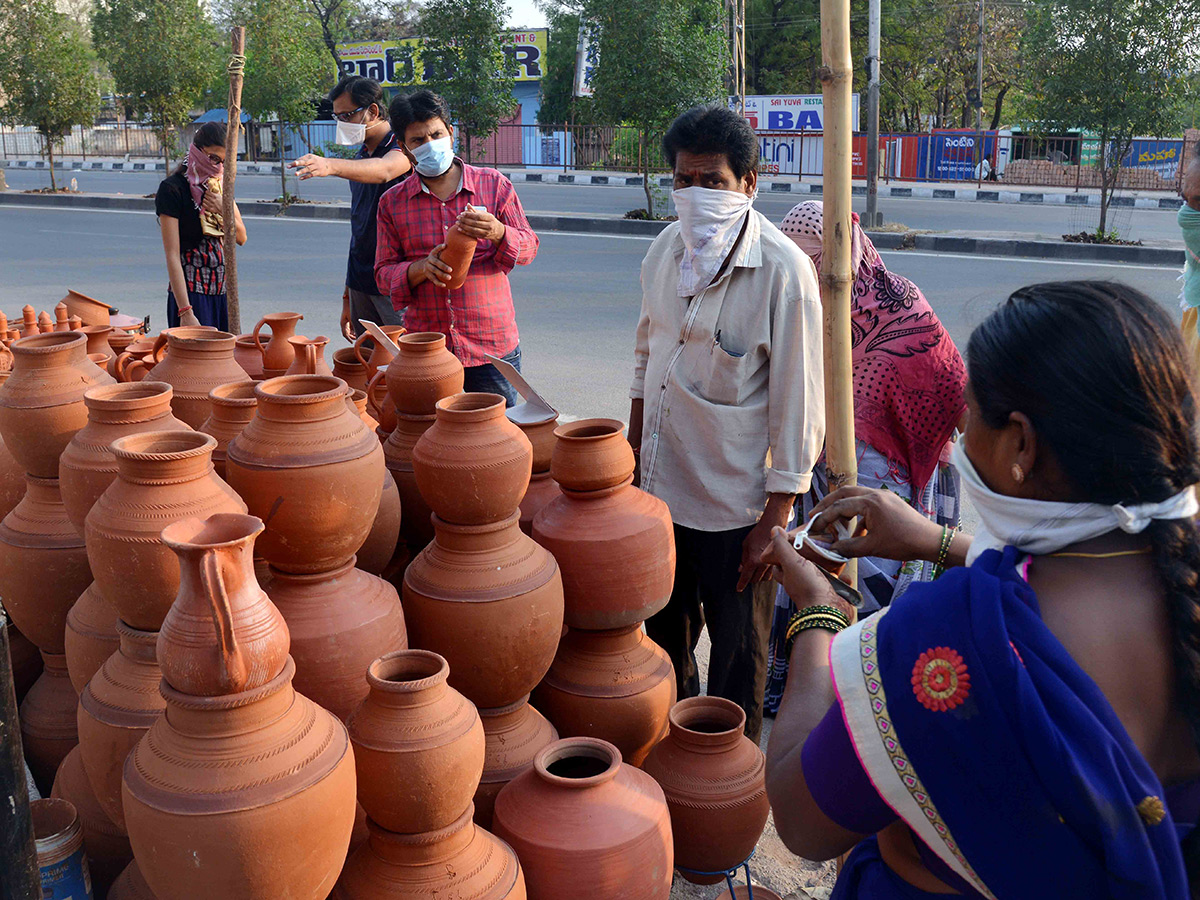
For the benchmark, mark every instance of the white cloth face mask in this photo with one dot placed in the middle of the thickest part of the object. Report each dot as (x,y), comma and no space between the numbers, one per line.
(709,223)
(349,134)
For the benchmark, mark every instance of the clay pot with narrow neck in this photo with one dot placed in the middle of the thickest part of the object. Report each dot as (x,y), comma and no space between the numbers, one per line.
(97,338)
(347,367)
(87,466)
(131,885)
(277,354)
(248,356)
(105,843)
(311,470)
(714,778)
(197,360)
(488,599)
(310,356)
(272,813)
(460,250)
(416,528)
(581,816)
(513,736)
(379,402)
(116,708)
(473,464)
(91,636)
(47,714)
(340,622)
(41,402)
(372,354)
(162,477)
(615,685)
(423,373)
(232,406)
(418,744)
(380,546)
(12,476)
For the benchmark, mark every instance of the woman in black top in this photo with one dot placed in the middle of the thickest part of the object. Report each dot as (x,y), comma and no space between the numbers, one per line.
(195,258)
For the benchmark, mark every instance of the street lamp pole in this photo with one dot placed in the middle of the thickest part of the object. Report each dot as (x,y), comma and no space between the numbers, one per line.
(874,218)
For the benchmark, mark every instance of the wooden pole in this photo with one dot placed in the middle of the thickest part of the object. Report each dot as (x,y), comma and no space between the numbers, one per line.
(233,129)
(19,877)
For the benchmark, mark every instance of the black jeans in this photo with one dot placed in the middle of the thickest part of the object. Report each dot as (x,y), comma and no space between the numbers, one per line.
(739,622)
(487,378)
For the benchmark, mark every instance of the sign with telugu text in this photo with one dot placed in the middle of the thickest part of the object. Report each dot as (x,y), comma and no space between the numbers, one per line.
(398,63)
(789,112)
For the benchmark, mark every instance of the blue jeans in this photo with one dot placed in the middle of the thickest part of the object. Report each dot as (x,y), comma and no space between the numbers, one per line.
(487,378)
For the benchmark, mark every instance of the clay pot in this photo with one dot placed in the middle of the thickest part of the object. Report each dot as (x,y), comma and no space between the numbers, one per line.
(311,470)
(358,400)
(616,685)
(91,636)
(591,455)
(131,885)
(459,251)
(25,659)
(541,491)
(379,354)
(582,817)
(488,599)
(473,464)
(270,817)
(340,622)
(116,708)
(47,715)
(380,546)
(416,528)
(162,477)
(89,309)
(118,342)
(231,407)
(418,744)
(41,402)
(714,778)
(460,861)
(543,438)
(87,466)
(514,735)
(247,355)
(197,361)
(616,547)
(423,373)
(137,359)
(43,564)
(97,338)
(347,367)
(310,356)
(12,476)
(277,354)
(105,843)
(379,402)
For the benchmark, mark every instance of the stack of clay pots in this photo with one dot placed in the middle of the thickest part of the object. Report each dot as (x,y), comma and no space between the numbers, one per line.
(616,549)
(542,486)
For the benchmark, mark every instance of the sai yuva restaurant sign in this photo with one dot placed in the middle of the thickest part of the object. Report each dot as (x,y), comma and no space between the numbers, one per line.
(398,63)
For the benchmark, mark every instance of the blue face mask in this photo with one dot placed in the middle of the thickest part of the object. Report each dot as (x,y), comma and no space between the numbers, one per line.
(434,157)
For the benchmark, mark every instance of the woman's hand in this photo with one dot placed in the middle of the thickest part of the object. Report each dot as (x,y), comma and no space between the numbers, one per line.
(188,318)
(801,579)
(888,527)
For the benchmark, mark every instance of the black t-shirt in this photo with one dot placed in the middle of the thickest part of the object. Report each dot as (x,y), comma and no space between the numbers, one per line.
(364,202)
(174,198)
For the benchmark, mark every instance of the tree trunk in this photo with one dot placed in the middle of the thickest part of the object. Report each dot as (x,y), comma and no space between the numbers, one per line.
(1105,186)
(998,108)
(50,151)
(645,158)
(282,168)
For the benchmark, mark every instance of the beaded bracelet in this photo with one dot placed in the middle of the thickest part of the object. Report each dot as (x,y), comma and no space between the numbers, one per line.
(829,618)
(182,310)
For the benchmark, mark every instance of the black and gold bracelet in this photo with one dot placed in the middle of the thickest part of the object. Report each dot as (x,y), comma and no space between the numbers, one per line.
(828,618)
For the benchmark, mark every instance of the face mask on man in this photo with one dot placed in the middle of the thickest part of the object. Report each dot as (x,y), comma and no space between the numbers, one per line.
(434,158)
(709,223)
(350,134)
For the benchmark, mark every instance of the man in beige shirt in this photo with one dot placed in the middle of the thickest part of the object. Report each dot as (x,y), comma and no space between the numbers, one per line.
(727,416)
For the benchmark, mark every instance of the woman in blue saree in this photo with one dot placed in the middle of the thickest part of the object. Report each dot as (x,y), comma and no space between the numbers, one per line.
(1027,725)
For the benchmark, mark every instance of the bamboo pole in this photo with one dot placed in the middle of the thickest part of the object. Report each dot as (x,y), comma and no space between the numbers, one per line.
(233,129)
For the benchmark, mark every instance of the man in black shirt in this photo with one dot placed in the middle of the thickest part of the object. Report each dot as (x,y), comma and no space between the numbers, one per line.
(380,164)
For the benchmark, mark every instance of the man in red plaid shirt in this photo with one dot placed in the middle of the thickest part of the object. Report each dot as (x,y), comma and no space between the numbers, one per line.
(478,319)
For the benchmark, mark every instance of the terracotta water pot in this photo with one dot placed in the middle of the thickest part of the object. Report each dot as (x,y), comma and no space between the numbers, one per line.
(277,354)
(91,636)
(118,342)
(416,527)
(542,436)
(310,356)
(97,338)
(380,546)
(162,477)
(309,468)
(43,564)
(514,735)
(591,454)
(41,402)
(248,356)
(89,309)
(347,367)
(12,476)
(460,250)
(616,547)
(231,407)
(488,599)
(116,708)
(423,373)
(379,402)
(131,885)
(197,360)
(418,744)
(25,659)
(615,685)
(541,491)
(582,817)
(251,794)
(714,778)
(358,399)
(87,466)
(136,360)
(105,843)
(47,714)
(340,622)
(460,861)
(473,464)
(376,354)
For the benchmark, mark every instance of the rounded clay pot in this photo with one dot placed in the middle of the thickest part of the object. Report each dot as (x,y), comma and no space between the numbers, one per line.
(41,402)
(247,355)
(488,599)
(416,527)
(379,354)
(310,469)
(714,778)
(461,862)
(130,884)
(12,476)
(582,817)
(115,411)
(423,373)
(231,407)
(105,843)
(162,477)
(380,546)
(358,400)
(43,564)
(251,794)
(591,455)
(514,735)
(379,404)
(197,360)
(347,367)
(541,491)
(25,659)
(310,356)
(340,622)
(118,343)
(47,714)
(616,547)
(91,636)
(418,744)
(97,338)
(543,438)
(277,354)
(473,464)
(615,685)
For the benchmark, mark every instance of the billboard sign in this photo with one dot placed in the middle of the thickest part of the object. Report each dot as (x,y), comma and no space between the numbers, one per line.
(398,63)
(789,113)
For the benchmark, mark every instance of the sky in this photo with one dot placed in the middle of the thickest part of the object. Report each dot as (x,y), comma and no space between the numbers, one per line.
(525,14)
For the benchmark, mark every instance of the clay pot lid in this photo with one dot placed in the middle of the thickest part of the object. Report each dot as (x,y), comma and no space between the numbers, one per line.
(299,389)
(164,445)
(218,531)
(577,762)
(125,323)
(408,671)
(707,719)
(470,407)
(235,393)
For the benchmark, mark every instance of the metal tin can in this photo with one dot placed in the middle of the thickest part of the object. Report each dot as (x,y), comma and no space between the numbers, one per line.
(61,860)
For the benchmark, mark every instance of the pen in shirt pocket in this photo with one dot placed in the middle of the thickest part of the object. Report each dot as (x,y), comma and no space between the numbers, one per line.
(716,340)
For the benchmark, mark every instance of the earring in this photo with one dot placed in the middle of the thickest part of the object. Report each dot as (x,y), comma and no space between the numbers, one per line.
(1018,473)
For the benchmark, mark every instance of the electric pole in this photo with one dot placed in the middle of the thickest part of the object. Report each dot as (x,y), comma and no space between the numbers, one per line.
(874,218)
(979,93)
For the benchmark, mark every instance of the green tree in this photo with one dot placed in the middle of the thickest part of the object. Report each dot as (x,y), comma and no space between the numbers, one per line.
(558,102)
(47,77)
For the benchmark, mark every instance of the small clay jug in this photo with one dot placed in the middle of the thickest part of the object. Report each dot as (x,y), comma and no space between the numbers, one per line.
(277,354)
(310,356)
(714,778)
(197,360)
(379,355)
(47,714)
(41,402)
(118,342)
(423,373)
(12,475)
(473,465)
(247,355)
(91,636)
(514,735)
(379,401)
(217,586)
(347,367)
(135,361)
(116,708)
(87,466)
(581,816)
(418,744)
(232,406)
(97,338)
(131,885)
(460,250)
(541,491)
(105,843)
(379,548)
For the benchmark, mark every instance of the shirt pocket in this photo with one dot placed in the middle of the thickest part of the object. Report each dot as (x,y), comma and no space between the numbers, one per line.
(725,376)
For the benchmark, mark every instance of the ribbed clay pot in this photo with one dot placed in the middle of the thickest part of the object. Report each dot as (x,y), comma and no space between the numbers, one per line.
(358,400)
(714,778)
(247,355)
(488,599)
(379,403)
(47,714)
(514,735)
(379,548)
(105,843)
(311,470)
(461,861)
(541,491)
(347,367)
(115,411)
(310,356)
(340,622)
(378,355)
(231,407)
(416,527)
(162,477)
(473,464)
(26,661)
(423,373)
(542,436)
(272,815)
(582,817)
(591,454)
(131,885)
(418,744)
(118,343)
(41,402)
(43,564)
(197,360)
(91,636)
(277,354)
(12,476)
(615,685)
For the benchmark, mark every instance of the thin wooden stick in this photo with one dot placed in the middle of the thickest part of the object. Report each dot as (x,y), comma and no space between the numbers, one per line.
(233,128)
